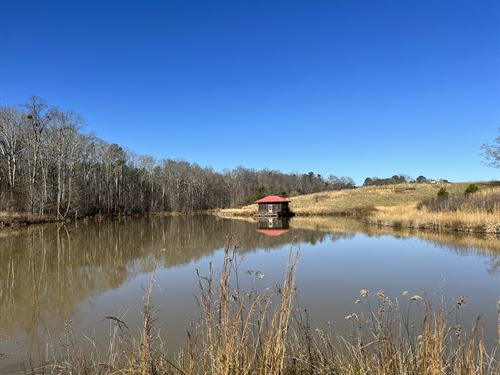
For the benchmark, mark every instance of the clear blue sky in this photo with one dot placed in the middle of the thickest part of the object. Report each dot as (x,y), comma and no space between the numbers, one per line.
(357,88)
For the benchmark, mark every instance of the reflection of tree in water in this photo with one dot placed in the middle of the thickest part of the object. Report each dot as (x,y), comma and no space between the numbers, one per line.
(45,271)
(468,244)
(494,265)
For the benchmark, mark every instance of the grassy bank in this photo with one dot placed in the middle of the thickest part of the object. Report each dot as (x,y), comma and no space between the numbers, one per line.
(260,331)
(399,206)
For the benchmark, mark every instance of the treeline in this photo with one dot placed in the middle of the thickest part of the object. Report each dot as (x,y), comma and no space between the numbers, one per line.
(48,166)
(399,179)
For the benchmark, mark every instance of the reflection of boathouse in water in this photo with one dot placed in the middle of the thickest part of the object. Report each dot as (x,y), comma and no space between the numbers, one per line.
(273,226)
(273,206)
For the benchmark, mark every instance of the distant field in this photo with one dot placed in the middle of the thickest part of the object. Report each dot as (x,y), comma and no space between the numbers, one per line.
(394,205)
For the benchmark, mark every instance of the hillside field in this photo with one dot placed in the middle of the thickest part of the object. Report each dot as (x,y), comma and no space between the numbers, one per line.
(397,205)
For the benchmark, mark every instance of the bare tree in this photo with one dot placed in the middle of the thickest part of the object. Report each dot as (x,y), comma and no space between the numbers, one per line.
(66,145)
(37,117)
(491,152)
(10,133)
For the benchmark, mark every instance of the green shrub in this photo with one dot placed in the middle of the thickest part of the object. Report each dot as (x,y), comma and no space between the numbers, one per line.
(442,193)
(471,189)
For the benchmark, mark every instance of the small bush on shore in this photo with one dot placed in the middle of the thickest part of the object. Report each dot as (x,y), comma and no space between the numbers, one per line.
(471,189)
(442,193)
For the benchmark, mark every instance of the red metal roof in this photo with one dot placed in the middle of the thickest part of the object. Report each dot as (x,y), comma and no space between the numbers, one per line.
(272,232)
(272,199)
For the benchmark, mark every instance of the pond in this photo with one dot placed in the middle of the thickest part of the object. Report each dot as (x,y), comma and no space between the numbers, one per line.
(57,276)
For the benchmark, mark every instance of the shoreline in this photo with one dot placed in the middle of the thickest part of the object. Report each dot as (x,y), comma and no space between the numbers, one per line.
(10,219)
(410,206)
(455,227)
(18,220)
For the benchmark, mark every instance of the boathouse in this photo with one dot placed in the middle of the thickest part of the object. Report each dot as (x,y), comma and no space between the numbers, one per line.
(273,206)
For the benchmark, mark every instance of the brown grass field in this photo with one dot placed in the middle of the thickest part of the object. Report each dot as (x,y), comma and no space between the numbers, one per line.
(397,206)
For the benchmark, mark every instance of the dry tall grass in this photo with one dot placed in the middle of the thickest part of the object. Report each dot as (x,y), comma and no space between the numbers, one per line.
(478,212)
(241,332)
(262,332)
(482,201)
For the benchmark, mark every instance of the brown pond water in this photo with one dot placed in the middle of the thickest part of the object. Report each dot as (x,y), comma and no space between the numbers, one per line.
(79,273)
